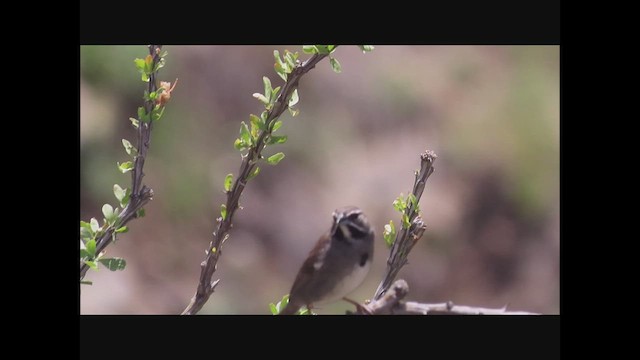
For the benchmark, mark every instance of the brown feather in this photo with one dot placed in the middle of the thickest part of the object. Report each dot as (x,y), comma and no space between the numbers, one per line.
(308,267)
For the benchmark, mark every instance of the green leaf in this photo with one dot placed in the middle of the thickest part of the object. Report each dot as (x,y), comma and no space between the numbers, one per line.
(323,49)
(107,211)
(335,65)
(134,122)
(125,167)
(159,65)
(91,248)
(294,98)
(281,73)
(288,57)
(157,114)
(228,180)
(254,173)
(94,225)
(267,87)
(262,98)
(331,48)
(280,70)
(125,200)
(259,123)
(264,116)
(276,125)
(389,233)
(412,199)
(274,95)
(275,139)
(282,303)
(275,159)
(414,202)
(86,232)
(304,311)
(366,48)
(122,230)
(254,132)
(92,264)
(119,192)
(84,224)
(400,203)
(142,113)
(86,282)
(240,145)
(294,112)
(139,64)
(273,309)
(245,135)
(140,213)
(276,56)
(84,254)
(405,221)
(114,264)
(223,211)
(309,49)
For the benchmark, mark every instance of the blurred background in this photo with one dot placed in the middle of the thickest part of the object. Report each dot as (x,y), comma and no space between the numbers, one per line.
(491,113)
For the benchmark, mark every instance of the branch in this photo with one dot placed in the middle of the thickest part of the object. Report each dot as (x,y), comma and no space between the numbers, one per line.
(206,286)
(388,298)
(391,304)
(140,193)
(407,238)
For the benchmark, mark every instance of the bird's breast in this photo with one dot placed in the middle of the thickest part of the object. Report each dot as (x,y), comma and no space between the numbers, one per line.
(348,283)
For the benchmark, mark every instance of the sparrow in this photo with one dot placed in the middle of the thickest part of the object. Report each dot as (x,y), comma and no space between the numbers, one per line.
(337,264)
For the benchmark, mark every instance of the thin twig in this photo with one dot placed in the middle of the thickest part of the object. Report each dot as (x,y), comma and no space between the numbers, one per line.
(140,193)
(391,303)
(206,286)
(407,238)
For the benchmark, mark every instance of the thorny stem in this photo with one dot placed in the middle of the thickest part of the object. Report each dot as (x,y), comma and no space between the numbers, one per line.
(206,286)
(140,193)
(407,238)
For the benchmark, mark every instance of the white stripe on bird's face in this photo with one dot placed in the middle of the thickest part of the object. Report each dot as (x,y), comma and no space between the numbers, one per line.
(345,231)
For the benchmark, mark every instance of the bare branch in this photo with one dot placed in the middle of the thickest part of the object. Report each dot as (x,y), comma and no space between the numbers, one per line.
(407,238)
(140,193)
(206,286)
(391,304)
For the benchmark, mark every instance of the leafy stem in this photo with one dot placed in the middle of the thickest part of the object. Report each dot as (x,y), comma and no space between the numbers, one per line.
(412,224)
(95,238)
(276,101)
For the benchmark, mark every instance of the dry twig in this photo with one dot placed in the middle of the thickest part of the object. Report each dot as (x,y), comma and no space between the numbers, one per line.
(391,304)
